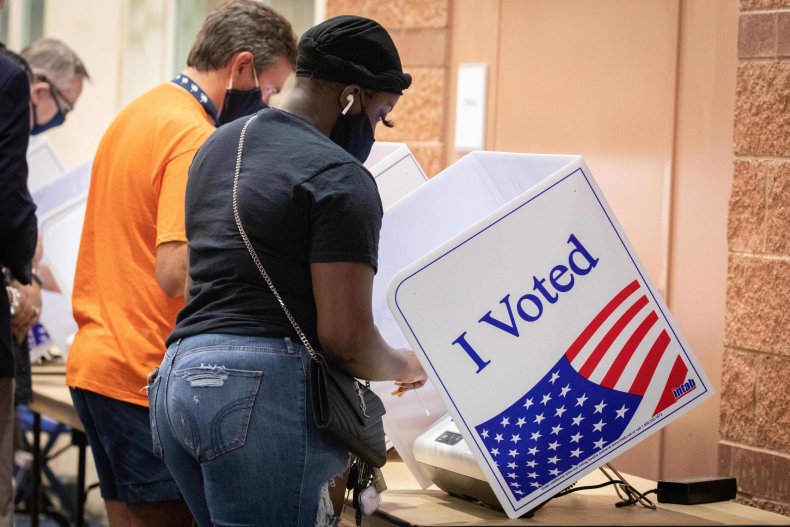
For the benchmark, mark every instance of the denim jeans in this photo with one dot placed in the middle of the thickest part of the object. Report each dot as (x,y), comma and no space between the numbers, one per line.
(230,419)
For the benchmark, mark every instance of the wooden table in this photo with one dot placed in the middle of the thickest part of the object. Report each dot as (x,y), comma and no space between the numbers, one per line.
(405,504)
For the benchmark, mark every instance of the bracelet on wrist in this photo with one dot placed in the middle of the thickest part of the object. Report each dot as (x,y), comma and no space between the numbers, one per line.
(15,295)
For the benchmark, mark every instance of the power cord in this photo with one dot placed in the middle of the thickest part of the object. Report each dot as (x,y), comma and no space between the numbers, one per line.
(625,491)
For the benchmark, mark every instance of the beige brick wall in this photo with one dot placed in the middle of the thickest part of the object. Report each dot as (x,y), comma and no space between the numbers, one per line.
(420,31)
(755,399)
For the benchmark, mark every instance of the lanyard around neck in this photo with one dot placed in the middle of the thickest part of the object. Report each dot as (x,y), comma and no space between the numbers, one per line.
(200,96)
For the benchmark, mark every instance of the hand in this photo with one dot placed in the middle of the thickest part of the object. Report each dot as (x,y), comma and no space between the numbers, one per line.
(415,376)
(28,311)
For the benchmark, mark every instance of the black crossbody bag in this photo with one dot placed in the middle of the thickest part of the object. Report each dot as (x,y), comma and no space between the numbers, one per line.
(343,407)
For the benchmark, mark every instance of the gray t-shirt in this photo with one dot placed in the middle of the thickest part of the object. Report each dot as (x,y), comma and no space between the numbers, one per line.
(302,200)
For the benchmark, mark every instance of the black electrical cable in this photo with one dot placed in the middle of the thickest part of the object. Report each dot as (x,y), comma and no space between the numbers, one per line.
(573,488)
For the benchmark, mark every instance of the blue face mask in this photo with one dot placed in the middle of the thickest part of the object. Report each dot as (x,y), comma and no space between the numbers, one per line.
(240,103)
(58,119)
(354,134)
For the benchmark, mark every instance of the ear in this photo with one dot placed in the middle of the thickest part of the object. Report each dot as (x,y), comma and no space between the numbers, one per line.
(38,90)
(239,61)
(349,98)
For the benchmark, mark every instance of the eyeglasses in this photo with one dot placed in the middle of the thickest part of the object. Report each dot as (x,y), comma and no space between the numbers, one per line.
(57,94)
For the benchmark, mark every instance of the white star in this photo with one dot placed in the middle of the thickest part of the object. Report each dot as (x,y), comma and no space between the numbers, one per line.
(512,464)
(576,453)
(519,492)
(513,453)
(580,400)
(535,435)
(600,443)
(546,399)
(494,451)
(512,475)
(534,450)
(498,438)
(621,412)
(528,403)
(521,422)
(514,484)
(554,471)
(532,463)
(505,421)
(578,419)
(599,407)
(575,437)
(553,445)
(516,438)
(564,391)
(539,418)
(554,377)
(484,434)
(532,475)
(556,430)
(599,425)
(203,98)
(553,460)
(535,484)
(559,411)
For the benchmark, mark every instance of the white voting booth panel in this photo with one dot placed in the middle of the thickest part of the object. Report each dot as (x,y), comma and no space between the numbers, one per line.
(43,163)
(61,230)
(55,193)
(396,171)
(536,322)
(55,203)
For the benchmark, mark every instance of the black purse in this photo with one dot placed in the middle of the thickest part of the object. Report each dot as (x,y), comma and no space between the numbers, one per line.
(343,407)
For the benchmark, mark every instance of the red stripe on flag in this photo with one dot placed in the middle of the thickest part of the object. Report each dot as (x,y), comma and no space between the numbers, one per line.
(600,350)
(614,373)
(639,387)
(676,377)
(599,319)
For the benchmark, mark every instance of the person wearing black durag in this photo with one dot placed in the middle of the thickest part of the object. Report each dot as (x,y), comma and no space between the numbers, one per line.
(228,406)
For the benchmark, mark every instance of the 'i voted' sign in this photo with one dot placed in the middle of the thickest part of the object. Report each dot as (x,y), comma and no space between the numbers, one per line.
(545,337)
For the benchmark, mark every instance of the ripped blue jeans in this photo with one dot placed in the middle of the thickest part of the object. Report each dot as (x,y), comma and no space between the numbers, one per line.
(230,419)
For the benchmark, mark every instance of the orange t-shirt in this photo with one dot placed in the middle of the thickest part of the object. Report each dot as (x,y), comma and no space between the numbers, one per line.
(135,203)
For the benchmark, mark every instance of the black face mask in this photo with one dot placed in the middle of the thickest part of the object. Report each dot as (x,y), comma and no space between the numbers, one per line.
(240,103)
(354,134)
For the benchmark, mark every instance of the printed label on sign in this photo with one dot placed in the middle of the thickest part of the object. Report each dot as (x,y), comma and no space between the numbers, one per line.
(547,340)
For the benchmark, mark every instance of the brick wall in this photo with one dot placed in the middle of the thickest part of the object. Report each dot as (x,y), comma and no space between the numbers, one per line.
(420,31)
(755,398)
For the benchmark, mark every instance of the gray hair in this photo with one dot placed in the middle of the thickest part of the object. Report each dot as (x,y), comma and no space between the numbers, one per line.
(53,60)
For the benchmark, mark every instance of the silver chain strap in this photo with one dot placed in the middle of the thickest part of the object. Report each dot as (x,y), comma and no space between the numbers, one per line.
(251,250)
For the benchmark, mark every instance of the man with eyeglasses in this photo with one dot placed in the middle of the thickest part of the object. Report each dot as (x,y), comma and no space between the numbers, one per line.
(58,75)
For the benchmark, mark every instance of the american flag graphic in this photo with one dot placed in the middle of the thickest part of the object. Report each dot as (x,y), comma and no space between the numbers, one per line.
(587,399)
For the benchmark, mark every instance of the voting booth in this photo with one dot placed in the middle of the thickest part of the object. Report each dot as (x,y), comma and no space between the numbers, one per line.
(43,163)
(540,331)
(60,207)
(396,171)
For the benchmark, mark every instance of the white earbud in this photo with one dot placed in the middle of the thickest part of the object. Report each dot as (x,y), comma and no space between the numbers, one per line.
(350,100)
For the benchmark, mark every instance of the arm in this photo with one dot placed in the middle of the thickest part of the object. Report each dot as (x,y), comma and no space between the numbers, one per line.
(343,293)
(171,248)
(171,267)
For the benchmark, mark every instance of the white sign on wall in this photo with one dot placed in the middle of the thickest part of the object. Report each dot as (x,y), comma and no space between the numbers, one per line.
(543,334)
